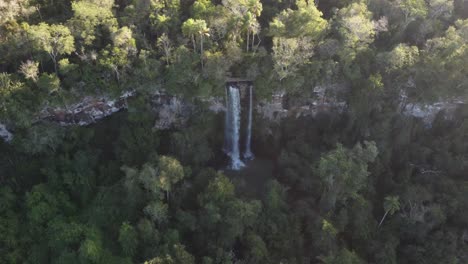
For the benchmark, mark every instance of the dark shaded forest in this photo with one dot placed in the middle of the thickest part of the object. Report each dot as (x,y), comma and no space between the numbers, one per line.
(371,182)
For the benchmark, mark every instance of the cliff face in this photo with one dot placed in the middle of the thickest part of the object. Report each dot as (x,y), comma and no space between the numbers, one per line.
(428,112)
(87,111)
(172,112)
(280,106)
(5,134)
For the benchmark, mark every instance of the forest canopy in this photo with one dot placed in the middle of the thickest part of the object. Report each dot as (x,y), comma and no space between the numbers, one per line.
(367,184)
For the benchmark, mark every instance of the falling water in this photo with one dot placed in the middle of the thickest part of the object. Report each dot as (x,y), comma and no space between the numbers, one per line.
(231,143)
(248,152)
(227,126)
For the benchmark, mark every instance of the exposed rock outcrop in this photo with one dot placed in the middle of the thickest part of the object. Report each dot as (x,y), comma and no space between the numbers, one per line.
(278,107)
(87,111)
(5,134)
(172,111)
(428,112)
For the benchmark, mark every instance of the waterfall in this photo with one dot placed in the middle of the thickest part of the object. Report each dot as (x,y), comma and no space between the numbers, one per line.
(232,127)
(248,152)
(227,126)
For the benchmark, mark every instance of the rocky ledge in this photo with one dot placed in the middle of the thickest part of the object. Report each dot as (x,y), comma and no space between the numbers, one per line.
(428,112)
(172,112)
(87,111)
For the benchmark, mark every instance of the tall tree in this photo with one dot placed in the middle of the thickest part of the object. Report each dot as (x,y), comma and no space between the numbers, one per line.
(412,9)
(30,70)
(391,206)
(194,28)
(295,33)
(54,39)
(344,173)
(170,173)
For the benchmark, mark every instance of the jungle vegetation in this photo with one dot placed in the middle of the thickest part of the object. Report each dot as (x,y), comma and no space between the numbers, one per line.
(369,185)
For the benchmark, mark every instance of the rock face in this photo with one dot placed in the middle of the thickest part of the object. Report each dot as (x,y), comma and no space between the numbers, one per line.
(273,109)
(280,107)
(87,111)
(5,134)
(215,104)
(172,111)
(428,112)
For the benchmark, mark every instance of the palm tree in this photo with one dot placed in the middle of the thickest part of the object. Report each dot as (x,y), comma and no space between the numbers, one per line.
(391,205)
(249,21)
(255,7)
(203,31)
(193,27)
(189,29)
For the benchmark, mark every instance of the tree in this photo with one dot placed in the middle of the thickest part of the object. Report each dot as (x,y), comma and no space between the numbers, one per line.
(203,9)
(443,67)
(391,205)
(295,33)
(401,58)
(222,216)
(343,172)
(251,26)
(54,39)
(11,9)
(30,70)
(90,22)
(164,16)
(49,83)
(128,239)
(305,21)
(11,249)
(356,27)
(157,211)
(357,32)
(289,54)
(344,256)
(254,10)
(412,9)
(440,9)
(170,173)
(196,27)
(123,39)
(164,43)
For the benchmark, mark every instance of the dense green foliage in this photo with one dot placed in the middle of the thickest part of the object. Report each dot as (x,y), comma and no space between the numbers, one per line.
(369,185)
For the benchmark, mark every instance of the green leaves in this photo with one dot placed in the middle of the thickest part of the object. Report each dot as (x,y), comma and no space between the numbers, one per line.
(343,173)
(305,21)
(356,28)
(294,35)
(413,9)
(391,204)
(128,239)
(400,58)
(170,173)
(86,19)
(54,39)
(195,28)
